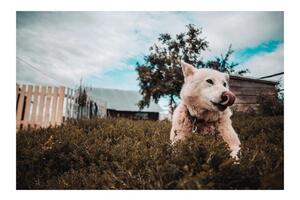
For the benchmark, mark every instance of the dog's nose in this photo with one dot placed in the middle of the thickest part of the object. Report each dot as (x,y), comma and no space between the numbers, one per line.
(227,98)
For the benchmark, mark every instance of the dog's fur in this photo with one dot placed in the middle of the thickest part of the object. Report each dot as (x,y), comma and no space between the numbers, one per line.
(197,96)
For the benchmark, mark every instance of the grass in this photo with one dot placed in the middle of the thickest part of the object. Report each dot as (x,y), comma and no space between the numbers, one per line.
(126,154)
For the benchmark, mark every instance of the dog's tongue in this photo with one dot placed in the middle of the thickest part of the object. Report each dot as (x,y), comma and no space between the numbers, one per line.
(228,98)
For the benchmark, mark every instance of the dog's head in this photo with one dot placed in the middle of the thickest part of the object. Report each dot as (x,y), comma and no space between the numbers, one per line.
(205,89)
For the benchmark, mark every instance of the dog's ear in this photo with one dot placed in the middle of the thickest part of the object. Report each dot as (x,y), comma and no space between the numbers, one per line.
(187,69)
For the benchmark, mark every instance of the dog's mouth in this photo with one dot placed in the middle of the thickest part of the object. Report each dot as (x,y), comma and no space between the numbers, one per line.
(227,99)
(219,106)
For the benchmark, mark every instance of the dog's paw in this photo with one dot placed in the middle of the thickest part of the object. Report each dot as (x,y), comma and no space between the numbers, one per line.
(234,152)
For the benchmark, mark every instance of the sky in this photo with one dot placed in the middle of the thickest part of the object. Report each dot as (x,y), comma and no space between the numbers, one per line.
(102,48)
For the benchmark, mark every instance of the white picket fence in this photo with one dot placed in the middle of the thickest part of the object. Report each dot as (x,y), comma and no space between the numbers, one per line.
(44,106)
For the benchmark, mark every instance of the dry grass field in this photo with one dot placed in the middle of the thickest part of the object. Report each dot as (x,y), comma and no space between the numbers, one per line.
(127,154)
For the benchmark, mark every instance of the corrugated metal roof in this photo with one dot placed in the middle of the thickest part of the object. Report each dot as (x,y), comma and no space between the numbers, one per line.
(122,100)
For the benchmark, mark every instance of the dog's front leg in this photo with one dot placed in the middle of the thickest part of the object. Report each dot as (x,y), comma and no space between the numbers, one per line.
(180,131)
(181,126)
(229,136)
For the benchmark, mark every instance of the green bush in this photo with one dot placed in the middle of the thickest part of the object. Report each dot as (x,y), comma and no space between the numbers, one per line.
(126,154)
(270,105)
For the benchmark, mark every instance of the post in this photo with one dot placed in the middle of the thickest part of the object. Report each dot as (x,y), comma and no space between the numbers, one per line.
(48,101)
(27,106)
(60,105)
(54,106)
(41,107)
(20,105)
(35,104)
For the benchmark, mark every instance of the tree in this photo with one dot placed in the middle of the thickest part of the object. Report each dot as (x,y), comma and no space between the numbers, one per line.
(222,63)
(81,100)
(160,75)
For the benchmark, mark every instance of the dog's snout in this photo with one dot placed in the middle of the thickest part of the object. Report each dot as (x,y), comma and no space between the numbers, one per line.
(227,98)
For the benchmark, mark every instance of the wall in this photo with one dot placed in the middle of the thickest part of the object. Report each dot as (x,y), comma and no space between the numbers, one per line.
(133,115)
(247,90)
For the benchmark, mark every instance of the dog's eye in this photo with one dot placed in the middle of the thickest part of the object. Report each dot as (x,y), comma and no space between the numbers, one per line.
(224,84)
(210,81)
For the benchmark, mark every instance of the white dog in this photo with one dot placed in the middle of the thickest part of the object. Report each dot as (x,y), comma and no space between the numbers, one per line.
(205,98)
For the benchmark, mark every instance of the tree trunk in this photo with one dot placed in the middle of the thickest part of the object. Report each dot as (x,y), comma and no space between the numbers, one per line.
(172,105)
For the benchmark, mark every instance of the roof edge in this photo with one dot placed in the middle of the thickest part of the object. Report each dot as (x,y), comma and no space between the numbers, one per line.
(238,77)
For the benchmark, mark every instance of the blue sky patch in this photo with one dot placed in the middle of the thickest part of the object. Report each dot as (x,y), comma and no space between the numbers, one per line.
(265,47)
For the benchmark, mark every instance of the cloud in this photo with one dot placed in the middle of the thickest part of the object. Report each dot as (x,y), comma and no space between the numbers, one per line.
(69,45)
(241,29)
(73,45)
(265,64)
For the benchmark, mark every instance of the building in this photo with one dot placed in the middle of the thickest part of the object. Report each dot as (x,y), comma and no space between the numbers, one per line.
(123,103)
(248,89)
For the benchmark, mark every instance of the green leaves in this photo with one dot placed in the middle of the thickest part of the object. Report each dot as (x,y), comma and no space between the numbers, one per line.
(161,76)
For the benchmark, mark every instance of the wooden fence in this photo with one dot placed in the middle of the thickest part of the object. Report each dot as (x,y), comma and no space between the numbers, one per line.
(44,106)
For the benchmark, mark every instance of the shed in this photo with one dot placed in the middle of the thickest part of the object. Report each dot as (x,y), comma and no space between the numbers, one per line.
(123,103)
(248,89)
